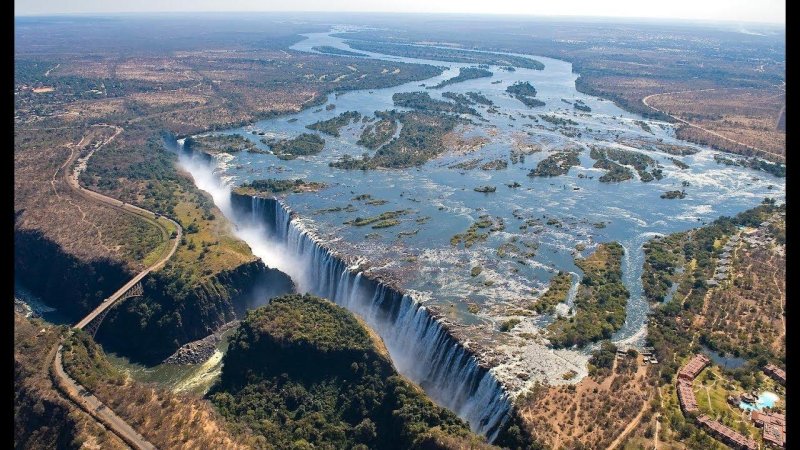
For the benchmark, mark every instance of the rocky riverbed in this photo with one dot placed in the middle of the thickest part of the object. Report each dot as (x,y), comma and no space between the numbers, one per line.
(199,351)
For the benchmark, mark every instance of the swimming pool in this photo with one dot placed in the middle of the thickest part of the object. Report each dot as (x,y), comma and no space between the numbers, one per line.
(765,400)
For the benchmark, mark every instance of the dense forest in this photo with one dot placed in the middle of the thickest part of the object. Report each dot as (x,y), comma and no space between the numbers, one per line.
(302,372)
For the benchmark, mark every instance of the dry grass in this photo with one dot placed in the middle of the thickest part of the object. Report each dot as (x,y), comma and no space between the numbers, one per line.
(43,200)
(750,312)
(223,251)
(166,419)
(749,116)
(593,412)
(41,412)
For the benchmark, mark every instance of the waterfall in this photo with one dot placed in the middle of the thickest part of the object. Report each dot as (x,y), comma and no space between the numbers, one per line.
(420,346)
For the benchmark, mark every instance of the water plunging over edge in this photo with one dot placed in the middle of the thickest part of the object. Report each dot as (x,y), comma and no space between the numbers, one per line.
(421,347)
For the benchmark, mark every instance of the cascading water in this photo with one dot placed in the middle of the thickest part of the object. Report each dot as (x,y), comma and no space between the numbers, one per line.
(420,346)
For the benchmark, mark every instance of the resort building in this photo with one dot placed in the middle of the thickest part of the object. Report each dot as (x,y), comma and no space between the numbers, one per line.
(776,373)
(774,426)
(727,435)
(693,368)
(686,397)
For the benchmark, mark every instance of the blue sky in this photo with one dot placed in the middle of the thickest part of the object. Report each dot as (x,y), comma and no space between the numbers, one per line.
(767,11)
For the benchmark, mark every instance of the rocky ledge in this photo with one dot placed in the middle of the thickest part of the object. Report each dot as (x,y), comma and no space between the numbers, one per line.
(197,352)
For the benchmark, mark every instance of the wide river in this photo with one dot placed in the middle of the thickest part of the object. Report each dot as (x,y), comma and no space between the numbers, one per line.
(566,216)
(632,211)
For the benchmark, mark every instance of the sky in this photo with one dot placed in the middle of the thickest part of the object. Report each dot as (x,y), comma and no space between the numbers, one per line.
(764,11)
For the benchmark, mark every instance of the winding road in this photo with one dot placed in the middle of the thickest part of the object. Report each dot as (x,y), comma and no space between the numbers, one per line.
(766,154)
(71,388)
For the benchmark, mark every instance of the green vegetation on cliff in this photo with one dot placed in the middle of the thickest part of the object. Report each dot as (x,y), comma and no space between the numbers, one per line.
(179,306)
(599,303)
(303,372)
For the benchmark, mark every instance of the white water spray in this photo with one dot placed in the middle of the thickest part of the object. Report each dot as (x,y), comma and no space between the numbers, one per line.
(420,347)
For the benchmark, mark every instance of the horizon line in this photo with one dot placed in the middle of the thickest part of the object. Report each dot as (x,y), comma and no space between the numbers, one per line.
(479,14)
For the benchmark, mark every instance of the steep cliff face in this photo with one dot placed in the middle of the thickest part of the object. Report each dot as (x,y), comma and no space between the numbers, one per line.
(149,328)
(421,347)
(170,314)
(63,281)
(302,372)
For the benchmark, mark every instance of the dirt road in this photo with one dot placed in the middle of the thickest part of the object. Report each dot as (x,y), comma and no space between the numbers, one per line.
(766,154)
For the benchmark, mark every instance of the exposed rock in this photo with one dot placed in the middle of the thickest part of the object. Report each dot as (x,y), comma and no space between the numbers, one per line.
(197,352)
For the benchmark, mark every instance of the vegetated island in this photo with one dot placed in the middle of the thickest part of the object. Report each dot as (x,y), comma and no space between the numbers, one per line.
(332,126)
(599,303)
(303,372)
(445,54)
(472,236)
(383,220)
(777,169)
(674,194)
(646,167)
(464,74)
(419,140)
(378,133)
(581,106)
(423,101)
(303,145)
(272,186)
(556,164)
(556,293)
(219,143)
(679,164)
(525,92)
(327,49)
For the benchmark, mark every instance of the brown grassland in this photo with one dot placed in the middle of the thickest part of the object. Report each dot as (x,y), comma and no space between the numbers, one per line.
(593,413)
(749,116)
(42,417)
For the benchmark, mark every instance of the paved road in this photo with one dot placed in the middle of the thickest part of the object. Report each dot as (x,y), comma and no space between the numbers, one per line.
(96,408)
(766,154)
(72,180)
(77,393)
